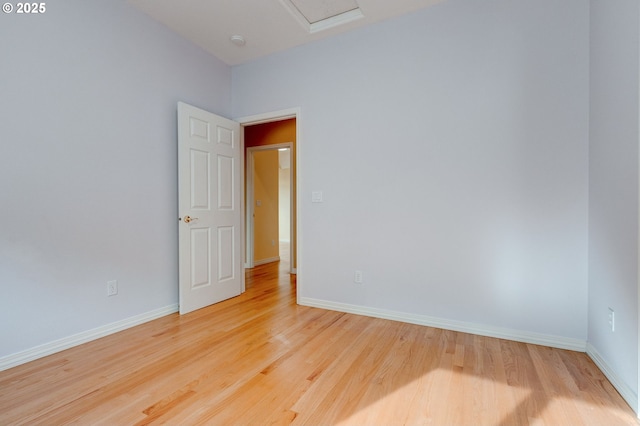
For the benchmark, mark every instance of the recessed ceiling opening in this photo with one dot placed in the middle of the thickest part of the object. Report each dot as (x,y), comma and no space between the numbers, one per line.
(318,15)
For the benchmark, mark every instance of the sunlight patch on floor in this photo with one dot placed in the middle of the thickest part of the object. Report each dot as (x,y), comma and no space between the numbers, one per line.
(493,401)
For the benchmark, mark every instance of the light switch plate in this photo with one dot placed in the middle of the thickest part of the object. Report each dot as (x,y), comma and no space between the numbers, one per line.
(316,196)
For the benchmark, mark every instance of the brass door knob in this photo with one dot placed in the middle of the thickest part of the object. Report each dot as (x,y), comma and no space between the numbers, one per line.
(188,219)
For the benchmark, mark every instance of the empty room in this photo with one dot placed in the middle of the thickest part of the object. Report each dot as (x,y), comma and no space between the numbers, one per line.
(465,233)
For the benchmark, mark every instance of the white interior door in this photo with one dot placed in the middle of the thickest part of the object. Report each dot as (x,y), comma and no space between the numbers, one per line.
(209,197)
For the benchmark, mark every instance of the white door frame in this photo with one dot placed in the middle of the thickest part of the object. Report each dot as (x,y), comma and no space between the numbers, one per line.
(251,208)
(278,116)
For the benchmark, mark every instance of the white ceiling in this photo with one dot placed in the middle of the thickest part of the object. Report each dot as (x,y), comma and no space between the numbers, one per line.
(268,26)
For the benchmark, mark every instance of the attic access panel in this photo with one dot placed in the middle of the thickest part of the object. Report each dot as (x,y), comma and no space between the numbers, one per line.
(317,15)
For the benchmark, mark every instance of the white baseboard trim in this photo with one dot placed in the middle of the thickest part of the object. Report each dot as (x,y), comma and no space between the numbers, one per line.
(625,391)
(465,327)
(267,260)
(59,345)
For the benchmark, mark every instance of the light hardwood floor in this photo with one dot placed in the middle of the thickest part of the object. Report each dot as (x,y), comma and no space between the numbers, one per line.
(261,359)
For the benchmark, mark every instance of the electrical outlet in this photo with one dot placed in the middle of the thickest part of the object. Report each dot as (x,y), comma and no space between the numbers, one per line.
(316,196)
(357,277)
(612,320)
(112,288)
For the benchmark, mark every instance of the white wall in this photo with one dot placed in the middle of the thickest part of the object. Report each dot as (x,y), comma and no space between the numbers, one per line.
(451,146)
(613,177)
(88,168)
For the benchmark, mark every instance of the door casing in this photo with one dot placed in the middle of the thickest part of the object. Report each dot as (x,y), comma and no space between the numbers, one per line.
(296,243)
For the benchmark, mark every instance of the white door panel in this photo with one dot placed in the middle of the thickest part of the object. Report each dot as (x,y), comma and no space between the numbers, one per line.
(209,186)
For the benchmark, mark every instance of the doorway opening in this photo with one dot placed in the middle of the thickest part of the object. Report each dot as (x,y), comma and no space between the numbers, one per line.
(272,132)
(269,204)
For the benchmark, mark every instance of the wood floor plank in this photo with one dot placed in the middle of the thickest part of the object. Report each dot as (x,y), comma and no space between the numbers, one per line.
(261,359)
